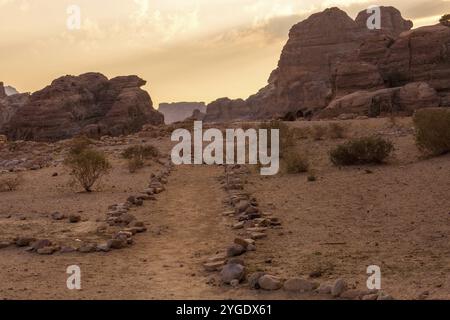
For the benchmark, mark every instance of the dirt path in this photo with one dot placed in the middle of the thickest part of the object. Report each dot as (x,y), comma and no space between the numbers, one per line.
(185,227)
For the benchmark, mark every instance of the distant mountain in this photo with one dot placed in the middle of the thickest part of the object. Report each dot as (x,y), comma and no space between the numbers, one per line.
(179,111)
(10,91)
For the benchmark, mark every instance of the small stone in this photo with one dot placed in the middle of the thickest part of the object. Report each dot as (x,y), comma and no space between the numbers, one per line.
(251,247)
(74,218)
(24,242)
(258,235)
(382,296)
(242,242)
(235,250)
(67,249)
(370,297)
(88,248)
(58,216)
(271,283)
(239,225)
(338,288)
(47,250)
(253,280)
(117,243)
(213,266)
(232,272)
(4,244)
(353,294)
(234,283)
(104,247)
(39,244)
(242,206)
(324,289)
(236,261)
(299,285)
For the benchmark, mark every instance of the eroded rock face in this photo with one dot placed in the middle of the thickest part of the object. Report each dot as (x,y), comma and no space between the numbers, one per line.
(180,111)
(89,103)
(332,62)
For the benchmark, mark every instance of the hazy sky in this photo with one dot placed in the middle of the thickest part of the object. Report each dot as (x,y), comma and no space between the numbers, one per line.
(187,50)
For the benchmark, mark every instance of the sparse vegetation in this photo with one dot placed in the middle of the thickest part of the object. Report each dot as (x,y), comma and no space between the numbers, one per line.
(318,132)
(136,155)
(87,166)
(445,20)
(10,183)
(433,130)
(296,162)
(79,144)
(336,131)
(287,135)
(368,150)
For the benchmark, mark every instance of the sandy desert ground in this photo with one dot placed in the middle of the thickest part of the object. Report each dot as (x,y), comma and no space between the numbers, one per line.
(395,215)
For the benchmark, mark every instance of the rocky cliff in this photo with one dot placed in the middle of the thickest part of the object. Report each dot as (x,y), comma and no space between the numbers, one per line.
(333,64)
(179,111)
(86,104)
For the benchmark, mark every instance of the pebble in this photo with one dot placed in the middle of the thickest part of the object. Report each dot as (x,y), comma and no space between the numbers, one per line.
(271,283)
(232,272)
(74,218)
(338,288)
(299,285)
(235,250)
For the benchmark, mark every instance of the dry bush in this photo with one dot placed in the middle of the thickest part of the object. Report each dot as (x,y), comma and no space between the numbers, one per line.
(79,144)
(10,183)
(433,130)
(287,135)
(88,166)
(337,130)
(296,162)
(318,132)
(141,152)
(134,164)
(368,150)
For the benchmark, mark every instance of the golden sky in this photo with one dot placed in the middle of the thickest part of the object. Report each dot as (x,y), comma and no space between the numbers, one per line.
(187,50)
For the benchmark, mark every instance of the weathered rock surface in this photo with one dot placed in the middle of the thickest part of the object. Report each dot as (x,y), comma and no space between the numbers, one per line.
(89,104)
(332,62)
(179,111)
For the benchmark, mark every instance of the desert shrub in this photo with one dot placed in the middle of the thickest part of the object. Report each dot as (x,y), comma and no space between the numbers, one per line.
(296,162)
(368,150)
(433,130)
(88,166)
(10,183)
(318,132)
(336,131)
(287,135)
(79,144)
(445,20)
(134,164)
(141,152)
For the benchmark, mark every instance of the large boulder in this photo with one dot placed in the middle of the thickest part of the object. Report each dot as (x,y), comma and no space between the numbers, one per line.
(392,21)
(89,103)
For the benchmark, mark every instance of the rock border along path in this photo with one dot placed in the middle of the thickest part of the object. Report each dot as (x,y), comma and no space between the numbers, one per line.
(118,215)
(253,225)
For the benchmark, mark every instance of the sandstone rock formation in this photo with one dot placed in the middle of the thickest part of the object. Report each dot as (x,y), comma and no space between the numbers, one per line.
(179,111)
(332,64)
(71,105)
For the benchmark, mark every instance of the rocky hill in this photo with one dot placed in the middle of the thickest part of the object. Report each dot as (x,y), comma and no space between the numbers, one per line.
(86,104)
(179,111)
(334,65)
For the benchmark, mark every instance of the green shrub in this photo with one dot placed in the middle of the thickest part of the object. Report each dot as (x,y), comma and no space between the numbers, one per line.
(368,150)
(433,130)
(87,167)
(296,162)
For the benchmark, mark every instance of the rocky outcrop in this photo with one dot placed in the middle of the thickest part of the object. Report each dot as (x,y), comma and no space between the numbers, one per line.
(86,104)
(10,91)
(332,63)
(2,91)
(179,111)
